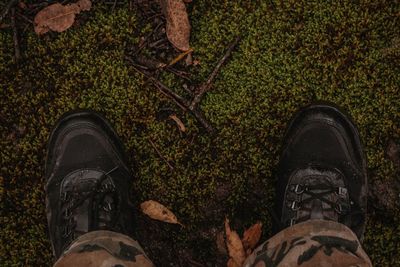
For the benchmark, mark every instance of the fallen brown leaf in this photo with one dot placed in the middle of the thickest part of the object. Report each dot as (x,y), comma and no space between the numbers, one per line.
(84,5)
(178,122)
(58,17)
(232,263)
(178,25)
(251,236)
(157,211)
(235,246)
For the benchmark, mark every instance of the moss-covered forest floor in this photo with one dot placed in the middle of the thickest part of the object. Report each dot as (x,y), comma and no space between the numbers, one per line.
(291,54)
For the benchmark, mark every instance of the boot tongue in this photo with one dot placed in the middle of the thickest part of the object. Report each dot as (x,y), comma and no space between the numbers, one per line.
(81,187)
(316,210)
(82,217)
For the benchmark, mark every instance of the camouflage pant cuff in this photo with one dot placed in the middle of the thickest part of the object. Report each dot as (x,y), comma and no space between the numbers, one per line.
(104,248)
(311,243)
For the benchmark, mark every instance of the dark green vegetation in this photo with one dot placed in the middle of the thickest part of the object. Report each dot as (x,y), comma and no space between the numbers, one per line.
(291,54)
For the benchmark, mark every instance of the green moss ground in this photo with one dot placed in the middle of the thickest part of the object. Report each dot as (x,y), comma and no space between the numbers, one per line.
(291,54)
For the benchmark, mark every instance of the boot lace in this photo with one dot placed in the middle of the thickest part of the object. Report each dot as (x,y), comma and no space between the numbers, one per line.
(308,193)
(102,198)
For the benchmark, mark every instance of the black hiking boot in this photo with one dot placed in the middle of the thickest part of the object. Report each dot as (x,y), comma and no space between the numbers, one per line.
(322,172)
(88,181)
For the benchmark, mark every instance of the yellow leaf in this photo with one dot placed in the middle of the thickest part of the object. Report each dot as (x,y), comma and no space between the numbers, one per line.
(157,211)
(180,56)
(234,244)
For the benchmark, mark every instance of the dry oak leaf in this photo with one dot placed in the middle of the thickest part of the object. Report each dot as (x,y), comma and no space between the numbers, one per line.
(58,17)
(178,25)
(251,236)
(235,246)
(157,211)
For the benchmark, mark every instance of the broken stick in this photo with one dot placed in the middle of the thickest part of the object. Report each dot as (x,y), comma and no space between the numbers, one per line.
(180,101)
(205,87)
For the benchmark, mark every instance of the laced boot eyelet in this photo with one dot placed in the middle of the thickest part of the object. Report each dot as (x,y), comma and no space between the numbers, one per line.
(341,191)
(295,205)
(339,208)
(107,206)
(299,189)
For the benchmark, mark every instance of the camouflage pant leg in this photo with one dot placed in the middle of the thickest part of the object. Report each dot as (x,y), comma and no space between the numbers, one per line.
(312,243)
(104,248)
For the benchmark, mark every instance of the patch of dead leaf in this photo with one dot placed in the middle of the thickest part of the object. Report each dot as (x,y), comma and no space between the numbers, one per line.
(178,25)
(157,211)
(178,122)
(235,247)
(58,17)
(239,249)
(251,237)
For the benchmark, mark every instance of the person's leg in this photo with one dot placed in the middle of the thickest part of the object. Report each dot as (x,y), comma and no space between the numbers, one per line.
(88,204)
(321,194)
(311,243)
(104,248)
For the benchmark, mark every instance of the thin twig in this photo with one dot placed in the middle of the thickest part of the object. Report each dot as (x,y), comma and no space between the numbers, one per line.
(203,121)
(180,57)
(147,38)
(34,8)
(179,73)
(25,18)
(114,5)
(158,43)
(187,89)
(7,8)
(159,154)
(193,262)
(180,101)
(15,37)
(162,87)
(205,87)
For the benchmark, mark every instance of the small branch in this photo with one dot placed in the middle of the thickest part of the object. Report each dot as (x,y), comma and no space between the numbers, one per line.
(180,101)
(179,73)
(25,18)
(15,37)
(205,87)
(159,154)
(114,5)
(147,38)
(7,8)
(194,263)
(203,121)
(180,57)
